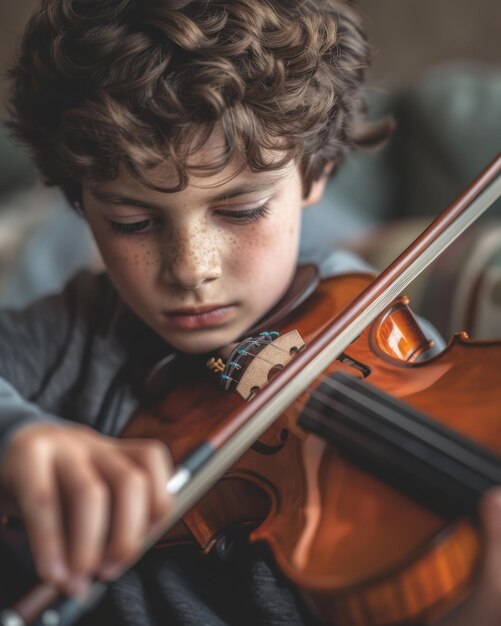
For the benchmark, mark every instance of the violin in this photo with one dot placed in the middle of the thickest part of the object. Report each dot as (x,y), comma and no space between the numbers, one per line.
(359,466)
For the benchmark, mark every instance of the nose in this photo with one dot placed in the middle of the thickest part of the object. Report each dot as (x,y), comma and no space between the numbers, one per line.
(190,258)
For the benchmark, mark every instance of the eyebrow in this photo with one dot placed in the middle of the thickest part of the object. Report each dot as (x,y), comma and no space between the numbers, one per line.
(114,198)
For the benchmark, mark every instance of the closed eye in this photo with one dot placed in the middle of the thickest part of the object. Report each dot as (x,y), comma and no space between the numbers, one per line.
(133,228)
(146,226)
(246,216)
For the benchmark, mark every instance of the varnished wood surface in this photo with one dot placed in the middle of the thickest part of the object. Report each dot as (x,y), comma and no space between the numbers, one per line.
(361,552)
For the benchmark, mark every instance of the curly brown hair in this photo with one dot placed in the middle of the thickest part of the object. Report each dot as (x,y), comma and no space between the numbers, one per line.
(101,84)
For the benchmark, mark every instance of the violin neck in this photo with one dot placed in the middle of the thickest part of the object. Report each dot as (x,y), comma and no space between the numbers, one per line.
(427,460)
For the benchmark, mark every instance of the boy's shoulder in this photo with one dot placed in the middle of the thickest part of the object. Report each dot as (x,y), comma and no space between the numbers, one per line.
(91,294)
(88,300)
(37,336)
(341,261)
(65,352)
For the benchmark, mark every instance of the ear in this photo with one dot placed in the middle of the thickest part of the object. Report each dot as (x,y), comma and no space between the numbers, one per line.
(318,187)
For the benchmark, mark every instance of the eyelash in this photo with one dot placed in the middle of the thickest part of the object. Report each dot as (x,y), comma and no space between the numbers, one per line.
(134,228)
(139,228)
(245,217)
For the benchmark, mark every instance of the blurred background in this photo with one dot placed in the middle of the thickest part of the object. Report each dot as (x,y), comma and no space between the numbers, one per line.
(436,70)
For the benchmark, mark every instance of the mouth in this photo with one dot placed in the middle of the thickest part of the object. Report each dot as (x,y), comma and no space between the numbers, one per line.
(199,317)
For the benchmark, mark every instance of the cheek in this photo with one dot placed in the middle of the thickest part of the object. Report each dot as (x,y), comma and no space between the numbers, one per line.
(280,239)
(129,263)
(268,253)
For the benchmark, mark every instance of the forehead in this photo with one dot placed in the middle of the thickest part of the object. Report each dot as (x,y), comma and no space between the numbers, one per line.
(200,177)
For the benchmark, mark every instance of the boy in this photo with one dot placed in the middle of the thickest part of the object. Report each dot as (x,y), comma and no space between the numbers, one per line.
(190,136)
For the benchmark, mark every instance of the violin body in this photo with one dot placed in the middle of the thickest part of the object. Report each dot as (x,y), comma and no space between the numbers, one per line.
(361,552)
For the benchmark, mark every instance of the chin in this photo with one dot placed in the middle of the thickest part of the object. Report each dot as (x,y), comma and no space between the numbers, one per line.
(197,343)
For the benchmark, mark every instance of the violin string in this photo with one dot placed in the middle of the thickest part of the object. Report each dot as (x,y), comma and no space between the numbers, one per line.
(338,386)
(462,478)
(261,358)
(256,356)
(324,378)
(457,448)
(233,380)
(312,391)
(312,412)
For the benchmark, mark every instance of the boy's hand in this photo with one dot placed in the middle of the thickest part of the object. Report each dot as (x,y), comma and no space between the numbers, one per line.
(483,606)
(87,501)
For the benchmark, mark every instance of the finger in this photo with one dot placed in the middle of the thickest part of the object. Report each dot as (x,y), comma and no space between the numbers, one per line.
(131,498)
(87,512)
(154,458)
(490,511)
(35,488)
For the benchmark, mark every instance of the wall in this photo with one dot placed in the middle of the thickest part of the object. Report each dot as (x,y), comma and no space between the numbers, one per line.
(410,36)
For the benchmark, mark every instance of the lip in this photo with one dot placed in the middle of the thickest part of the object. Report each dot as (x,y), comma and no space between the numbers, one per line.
(199,317)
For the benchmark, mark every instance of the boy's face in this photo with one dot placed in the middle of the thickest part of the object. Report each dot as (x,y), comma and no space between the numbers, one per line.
(202,265)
